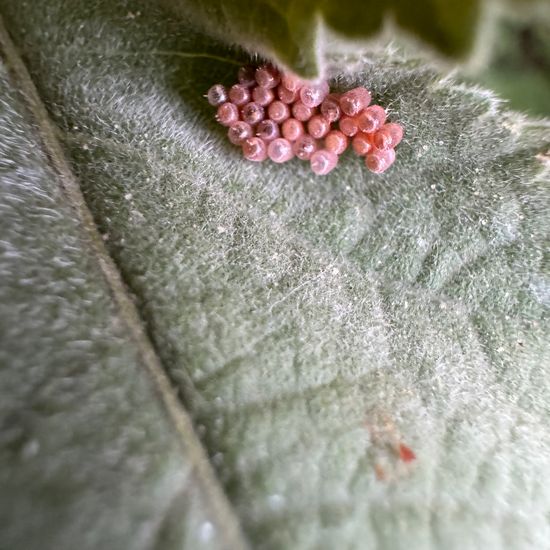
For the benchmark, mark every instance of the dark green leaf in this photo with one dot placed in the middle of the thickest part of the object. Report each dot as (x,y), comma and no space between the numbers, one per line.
(294,32)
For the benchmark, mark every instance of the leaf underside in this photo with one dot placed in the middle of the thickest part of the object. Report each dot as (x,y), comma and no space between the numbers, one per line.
(311,323)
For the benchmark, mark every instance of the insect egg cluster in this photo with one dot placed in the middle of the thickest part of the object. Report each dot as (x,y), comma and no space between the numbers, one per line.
(275,115)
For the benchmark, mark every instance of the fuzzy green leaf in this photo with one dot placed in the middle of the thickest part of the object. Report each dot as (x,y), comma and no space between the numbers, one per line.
(310,323)
(89,457)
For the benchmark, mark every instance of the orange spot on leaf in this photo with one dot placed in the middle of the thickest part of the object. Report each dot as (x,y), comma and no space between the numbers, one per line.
(406,454)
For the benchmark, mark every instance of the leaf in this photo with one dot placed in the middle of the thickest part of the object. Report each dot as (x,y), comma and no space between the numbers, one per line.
(88,457)
(294,33)
(520,63)
(313,324)
(304,35)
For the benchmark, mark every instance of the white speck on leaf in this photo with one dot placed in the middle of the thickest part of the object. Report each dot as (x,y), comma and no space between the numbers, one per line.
(276,502)
(30,449)
(206,531)
(217,459)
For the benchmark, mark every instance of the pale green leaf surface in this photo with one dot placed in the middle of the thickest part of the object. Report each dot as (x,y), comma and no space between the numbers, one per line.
(88,456)
(292,309)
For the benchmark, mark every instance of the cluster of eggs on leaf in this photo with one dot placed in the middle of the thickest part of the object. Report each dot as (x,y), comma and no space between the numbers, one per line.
(276,115)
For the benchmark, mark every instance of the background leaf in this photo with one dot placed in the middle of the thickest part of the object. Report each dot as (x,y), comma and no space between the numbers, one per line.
(292,32)
(293,312)
(519,67)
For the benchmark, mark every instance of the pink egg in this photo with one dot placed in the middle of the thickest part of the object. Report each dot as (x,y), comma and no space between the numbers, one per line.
(291,82)
(354,101)
(262,96)
(348,125)
(336,141)
(239,131)
(330,108)
(252,113)
(362,143)
(239,94)
(278,111)
(379,161)
(247,76)
(217,95)
(280,150)
(292,129)
(371,119)
(318,126)
(267,76)
(268,130)
(313,94)
(254,149)
(302,112)
(323,161)
(304,147)
(388,136)
(227,114)
(285,95)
